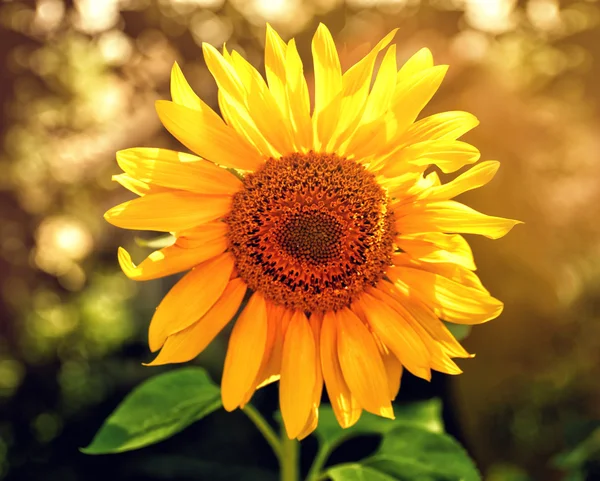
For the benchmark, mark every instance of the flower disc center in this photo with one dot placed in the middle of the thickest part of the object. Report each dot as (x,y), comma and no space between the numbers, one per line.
(311,231)
(311,236)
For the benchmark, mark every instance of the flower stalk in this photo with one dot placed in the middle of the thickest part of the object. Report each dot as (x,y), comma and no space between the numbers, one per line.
(289,458)
(265,429)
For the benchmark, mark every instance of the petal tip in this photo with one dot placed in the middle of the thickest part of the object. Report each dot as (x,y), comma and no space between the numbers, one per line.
(126,264)
(229,405)
(387,412)
(161,105)
(154,362)
(111,214)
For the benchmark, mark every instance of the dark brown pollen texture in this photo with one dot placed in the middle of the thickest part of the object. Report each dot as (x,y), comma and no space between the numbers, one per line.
(311,231)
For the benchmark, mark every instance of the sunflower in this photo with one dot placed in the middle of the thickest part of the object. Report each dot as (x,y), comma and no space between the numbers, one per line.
(330,231)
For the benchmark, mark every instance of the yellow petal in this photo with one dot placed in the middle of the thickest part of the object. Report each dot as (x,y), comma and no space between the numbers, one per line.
(356,83)
(452,217)
(437,339)
(169,260)
(275,60)
(223,73)
(263,108)
(393,367)
(298,375)
(345,407)
(245,352)
(448,155)
(328,86)
(455,272)
(177,170)
(393,370)
(237,116)
(383,88)
(406,187)
(362,366)
(420,61)
(311,424)
(199,236)
(477,176)
(205,133)
(279,318)
(413,93)
(137,186)
(233,99)
(397,335)
(412,90)
(316,320)
(328,72)
(437,247)
(190,299)
(436,328)
(185,345)
(298,100)
(410,97)
(261,377)
(443,126)
(182,93)
(450,300)
(441,362)
(168,211)
(373,118)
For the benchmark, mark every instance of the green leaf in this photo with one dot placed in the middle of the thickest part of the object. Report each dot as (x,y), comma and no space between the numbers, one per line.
(426,414)
(414,447)
(411,453)
(156,410)
(459,331)
(356,472)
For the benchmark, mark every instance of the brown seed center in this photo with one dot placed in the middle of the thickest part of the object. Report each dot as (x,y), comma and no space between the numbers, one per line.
(311,231)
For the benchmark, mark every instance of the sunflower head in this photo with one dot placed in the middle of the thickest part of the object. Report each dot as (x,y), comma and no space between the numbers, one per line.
(322,218)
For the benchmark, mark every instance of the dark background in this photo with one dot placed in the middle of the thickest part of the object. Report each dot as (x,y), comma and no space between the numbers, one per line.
(78,81)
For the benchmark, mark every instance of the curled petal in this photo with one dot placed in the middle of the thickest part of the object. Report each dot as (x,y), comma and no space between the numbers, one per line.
(190,299)
(185,345)
(169,260)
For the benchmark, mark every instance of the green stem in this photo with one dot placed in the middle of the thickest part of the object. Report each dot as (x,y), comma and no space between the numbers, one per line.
(289,458)
(314,473)
(266,430)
